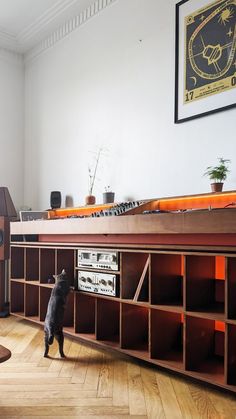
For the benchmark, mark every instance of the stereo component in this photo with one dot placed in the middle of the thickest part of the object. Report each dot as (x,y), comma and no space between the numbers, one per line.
(98,259)
(55,199)
(97,282)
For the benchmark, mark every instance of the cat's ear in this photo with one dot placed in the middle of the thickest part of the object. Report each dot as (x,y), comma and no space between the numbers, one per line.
(63,272)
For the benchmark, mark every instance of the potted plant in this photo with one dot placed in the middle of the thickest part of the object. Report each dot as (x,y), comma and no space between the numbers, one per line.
(108,196)
(218,174)
(90,199)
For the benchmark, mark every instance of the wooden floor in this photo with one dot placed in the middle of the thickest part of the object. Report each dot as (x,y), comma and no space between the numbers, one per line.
(92,383)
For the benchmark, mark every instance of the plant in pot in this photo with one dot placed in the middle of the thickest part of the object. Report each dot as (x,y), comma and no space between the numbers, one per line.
(90,199)
(218,174)
(108,196)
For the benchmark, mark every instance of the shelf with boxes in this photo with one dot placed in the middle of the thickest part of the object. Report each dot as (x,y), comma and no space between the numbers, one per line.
(169,307)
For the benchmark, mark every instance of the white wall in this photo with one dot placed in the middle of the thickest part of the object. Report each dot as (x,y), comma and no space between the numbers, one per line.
(11,125)
(111,83)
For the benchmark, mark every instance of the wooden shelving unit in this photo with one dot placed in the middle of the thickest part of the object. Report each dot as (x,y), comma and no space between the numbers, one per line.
(175,308)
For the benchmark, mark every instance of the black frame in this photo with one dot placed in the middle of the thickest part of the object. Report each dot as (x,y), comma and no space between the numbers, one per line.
(176,112)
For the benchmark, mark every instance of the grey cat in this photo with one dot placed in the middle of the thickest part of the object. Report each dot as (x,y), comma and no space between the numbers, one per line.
(53,326)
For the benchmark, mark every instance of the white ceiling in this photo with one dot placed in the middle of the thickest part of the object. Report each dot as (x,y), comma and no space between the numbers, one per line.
(24,23)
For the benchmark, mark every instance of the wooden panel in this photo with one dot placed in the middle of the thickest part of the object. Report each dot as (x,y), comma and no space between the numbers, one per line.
(17,297)
(205,348)
(195,222)
(134,327)
(17,263)
(69,310)
(66,260)
(231,284)
(85,310)
(47,264)
(132,267)
(32,264)
(166,279)
(166,336)
(203,291)
(231,359)
(31,300)
(181,241)
(108,320)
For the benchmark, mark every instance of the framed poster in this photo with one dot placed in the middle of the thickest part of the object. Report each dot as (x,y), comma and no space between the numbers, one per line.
(205,57)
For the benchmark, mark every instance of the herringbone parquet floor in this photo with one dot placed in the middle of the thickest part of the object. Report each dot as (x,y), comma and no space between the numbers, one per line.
(92,383)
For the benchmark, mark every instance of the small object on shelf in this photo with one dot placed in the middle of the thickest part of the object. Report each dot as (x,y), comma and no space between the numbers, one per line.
(55,199)
(90,200)
(108,196)
(218,174)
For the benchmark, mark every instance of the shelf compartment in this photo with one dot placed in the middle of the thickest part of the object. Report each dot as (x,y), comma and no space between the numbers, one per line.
(231,358)
(31,301)
(32,264)
(66,260)
(204,291)
(167,279)
(108,321)
(132,267)
(205,348)
(47,264)
(167,337)
(85,312)
(69,311)
(134,327)
(44,296)
(17,297)
(231,291)
(17,262)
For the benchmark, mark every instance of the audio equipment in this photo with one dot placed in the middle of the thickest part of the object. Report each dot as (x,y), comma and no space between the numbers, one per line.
(33,215)
(118,209)
(4,238)
(7,208)
(98,259)
(55,199)
(98,282)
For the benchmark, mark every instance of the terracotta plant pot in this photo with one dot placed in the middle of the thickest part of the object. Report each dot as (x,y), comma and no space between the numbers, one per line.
(90,200)
(217,186)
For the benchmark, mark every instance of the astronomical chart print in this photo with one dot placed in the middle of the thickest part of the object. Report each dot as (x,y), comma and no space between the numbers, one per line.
(210,50)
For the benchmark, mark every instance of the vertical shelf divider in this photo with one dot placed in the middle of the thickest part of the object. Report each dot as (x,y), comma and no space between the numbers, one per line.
(141,281)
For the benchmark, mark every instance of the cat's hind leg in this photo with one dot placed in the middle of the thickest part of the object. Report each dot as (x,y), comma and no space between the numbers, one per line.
(46,345)
(60,339)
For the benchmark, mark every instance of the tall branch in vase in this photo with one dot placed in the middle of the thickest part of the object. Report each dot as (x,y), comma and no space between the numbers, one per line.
(90,199)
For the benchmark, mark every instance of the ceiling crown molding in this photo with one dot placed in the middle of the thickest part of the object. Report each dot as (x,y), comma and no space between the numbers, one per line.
(44,20)
(8,40)
(68,27)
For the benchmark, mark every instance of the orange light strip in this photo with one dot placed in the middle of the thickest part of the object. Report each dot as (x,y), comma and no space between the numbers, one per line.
(213,200)
(216,200)
(219,326)
(88,210)
(220,267)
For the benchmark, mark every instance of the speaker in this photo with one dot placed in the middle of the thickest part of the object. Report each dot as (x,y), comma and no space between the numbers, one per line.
(4,238)
(55,199)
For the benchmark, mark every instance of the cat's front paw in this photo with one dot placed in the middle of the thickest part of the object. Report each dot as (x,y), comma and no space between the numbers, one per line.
(62,355)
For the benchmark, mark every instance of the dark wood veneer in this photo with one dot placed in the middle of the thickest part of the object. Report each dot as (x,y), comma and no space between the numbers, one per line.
(176,306)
